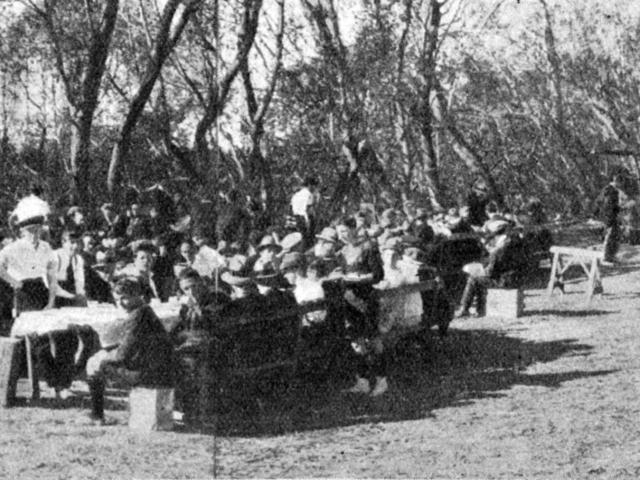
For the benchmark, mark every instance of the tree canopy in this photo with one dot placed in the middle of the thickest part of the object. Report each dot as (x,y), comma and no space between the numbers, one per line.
(382,100)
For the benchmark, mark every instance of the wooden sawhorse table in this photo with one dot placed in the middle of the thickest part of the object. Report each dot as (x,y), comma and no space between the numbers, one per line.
(565,257)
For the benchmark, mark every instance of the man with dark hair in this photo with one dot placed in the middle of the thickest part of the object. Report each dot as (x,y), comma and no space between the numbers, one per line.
(142,269)
(71,272)
(139,226)
(194,337)
(143,356)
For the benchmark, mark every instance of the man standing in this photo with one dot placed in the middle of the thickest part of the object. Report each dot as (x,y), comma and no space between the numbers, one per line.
(304,204)
(28,265)
(610,198)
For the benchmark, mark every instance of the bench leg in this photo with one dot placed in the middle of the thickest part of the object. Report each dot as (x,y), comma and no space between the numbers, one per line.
(594,280)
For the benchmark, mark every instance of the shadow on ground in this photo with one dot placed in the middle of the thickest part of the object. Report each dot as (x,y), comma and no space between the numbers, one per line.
(466,366)
(569,313)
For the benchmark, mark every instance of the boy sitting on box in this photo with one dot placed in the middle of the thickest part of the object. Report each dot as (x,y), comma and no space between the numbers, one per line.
(142,357)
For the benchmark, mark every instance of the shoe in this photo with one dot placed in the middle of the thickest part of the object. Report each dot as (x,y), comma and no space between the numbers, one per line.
(381,386)
(461,313)
(362,386)
(100,421)
(608,263)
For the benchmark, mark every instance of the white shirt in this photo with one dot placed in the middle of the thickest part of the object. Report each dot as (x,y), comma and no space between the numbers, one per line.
(301,201)
(63,260)
(23,261)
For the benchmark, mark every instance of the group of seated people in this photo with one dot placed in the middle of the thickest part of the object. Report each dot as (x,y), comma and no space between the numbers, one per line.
(139,258)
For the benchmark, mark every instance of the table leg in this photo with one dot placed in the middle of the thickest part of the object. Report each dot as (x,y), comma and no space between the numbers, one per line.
(31,370)
(554,271)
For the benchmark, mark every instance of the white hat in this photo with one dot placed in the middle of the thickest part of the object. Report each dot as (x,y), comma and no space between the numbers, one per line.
(30,210)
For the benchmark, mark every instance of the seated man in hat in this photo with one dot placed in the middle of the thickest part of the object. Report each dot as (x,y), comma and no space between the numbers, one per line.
(325,251)
(143,356)
(29,262)
(195,334)
(504,267)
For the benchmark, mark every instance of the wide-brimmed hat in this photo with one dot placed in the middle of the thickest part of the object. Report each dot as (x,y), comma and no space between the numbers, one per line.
(496,227)
(269,242)
(269,277)
(238,273)
(328,234)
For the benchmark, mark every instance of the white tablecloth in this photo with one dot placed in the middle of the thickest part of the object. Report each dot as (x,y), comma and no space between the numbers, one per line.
(103,318)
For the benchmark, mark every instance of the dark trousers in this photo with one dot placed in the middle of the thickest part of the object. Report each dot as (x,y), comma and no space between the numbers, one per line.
(476,289)
(97,385)
(34,295)
(611,242)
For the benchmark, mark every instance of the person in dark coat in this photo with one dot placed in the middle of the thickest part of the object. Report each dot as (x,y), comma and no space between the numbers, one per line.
(144,355)
(477,201)
(504,268)
(361,267)
(197,339)
(610,199)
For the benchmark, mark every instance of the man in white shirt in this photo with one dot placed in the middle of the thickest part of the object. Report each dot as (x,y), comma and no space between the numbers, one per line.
(70,272)
(304,204)
(28,265)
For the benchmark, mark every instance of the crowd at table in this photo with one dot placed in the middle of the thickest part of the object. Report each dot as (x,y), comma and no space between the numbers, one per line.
(148,254)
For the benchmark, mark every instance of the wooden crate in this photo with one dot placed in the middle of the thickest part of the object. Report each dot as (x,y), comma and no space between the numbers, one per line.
(11,350)
(505,302)
(151,409)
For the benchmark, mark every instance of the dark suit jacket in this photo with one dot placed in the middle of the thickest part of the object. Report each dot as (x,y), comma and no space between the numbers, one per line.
(146,348)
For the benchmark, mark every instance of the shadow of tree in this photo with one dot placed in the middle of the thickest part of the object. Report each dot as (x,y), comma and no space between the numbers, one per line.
(467,365)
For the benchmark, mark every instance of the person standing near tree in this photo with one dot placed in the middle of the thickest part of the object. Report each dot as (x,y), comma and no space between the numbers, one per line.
(610,201)
(304,205)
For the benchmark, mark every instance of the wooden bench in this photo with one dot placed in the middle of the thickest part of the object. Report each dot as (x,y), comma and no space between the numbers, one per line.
(564,258)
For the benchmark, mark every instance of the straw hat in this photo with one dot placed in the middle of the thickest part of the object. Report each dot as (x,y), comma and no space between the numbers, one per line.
(238,273)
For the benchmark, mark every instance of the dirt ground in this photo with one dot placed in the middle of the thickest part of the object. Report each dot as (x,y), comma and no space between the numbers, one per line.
(553,394)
